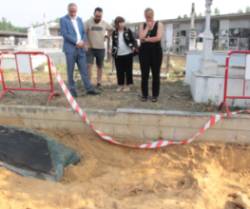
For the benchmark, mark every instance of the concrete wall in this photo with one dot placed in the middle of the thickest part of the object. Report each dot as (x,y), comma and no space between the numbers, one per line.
(57,57)
(50,43)
(130,125)
(194,58)
(210,88)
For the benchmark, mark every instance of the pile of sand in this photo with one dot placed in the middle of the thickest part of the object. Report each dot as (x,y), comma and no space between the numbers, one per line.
(180,177)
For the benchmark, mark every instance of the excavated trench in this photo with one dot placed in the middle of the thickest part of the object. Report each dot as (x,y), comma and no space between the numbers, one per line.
(197,176)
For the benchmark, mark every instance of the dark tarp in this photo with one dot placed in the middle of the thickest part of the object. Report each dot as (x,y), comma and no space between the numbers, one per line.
(31,154)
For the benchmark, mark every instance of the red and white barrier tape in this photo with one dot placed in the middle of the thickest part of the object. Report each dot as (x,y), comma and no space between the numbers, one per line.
(160,143)
(1,79)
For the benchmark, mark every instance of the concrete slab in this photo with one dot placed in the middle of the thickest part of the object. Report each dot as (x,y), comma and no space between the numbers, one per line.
(129,124)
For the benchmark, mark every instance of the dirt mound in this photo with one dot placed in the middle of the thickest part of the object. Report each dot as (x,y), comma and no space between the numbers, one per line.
(181,177)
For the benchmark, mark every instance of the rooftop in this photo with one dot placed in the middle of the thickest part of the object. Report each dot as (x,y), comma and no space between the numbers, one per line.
(214,17)
(11,33)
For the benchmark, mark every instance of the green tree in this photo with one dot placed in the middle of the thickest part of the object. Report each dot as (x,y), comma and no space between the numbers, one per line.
(6,25)
(247,9)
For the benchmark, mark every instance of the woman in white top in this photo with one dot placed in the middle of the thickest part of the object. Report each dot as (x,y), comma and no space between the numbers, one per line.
(124,46)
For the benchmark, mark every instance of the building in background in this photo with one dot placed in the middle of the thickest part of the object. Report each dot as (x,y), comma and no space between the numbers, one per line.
(231,31)
(8,38)
(48,35)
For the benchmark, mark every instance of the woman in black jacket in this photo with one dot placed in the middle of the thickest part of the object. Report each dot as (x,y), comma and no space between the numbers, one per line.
(124,45)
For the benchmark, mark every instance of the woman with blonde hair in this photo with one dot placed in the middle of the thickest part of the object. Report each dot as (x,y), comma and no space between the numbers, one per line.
(150,55)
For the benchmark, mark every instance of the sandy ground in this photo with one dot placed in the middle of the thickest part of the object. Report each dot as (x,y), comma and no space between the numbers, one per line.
(174,95)
(198,176)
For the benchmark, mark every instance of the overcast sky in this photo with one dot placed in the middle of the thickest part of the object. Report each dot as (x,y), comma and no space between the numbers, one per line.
(27,12)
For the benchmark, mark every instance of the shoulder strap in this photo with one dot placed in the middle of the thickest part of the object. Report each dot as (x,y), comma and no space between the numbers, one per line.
(156,24)
(155,29)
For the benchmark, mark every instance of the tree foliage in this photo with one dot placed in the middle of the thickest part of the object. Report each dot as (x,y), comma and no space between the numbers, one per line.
(6,25)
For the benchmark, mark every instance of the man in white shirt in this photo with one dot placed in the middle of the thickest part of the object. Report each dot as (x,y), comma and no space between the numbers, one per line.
(72,30)
(75,24)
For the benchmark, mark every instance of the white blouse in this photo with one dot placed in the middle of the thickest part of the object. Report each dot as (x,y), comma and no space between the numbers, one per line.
(123,49)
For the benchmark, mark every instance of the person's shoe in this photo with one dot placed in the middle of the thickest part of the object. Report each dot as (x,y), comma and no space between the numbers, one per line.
(99,86)
(73,93)
(93,92)
(119,89)
(126,89)
(154,99)
(143,99)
